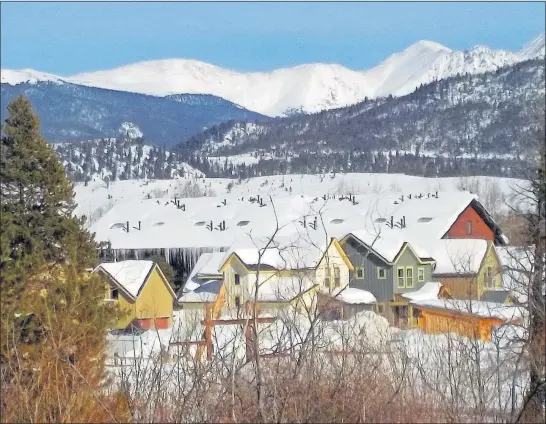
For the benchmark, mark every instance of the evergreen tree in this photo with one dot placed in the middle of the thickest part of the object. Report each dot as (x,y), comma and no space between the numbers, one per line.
(53,320)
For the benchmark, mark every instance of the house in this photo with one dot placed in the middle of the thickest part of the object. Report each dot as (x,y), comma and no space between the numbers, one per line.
(387,267)
(141,292)
(287,272)
(445,215)
(517,266)
(205,284)
(470,318)
(468,268)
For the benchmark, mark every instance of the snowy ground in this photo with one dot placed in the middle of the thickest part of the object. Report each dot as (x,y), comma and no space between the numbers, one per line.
(97,197)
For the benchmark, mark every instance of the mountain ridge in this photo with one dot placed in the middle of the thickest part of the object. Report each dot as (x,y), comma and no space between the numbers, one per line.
(306,87)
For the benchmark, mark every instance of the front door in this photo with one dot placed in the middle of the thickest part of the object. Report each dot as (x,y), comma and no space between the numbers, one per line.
(401,314)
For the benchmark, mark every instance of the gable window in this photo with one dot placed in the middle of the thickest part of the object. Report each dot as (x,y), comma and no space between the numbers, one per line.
(114,294)
(237,302)
(381,273)
(327,278)
(489,282)
(421,275)
(337,277)
(401,278)
(409,277)
(360,273)
(468,227)
(237,279)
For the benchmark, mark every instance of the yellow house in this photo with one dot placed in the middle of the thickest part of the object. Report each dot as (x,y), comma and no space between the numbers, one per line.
(468,268)
(141,291)
(288,274)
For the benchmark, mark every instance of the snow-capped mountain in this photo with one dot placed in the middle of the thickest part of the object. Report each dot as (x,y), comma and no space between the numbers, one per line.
(307,88)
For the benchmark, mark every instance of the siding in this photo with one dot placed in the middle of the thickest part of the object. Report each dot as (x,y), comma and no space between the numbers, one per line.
(408,259)
(480,230)
(154,301)
(326,267)
(381,289)
(472,287)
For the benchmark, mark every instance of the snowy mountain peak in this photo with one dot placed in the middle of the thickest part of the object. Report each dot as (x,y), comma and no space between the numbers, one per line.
(426,45)
(308,88)
(14,77)
(535,47)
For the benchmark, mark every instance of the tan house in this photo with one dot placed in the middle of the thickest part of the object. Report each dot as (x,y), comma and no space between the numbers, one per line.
(285,274)
(141,292)
(468,268)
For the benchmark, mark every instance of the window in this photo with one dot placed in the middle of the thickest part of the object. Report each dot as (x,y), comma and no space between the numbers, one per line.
(409,277)
(327,279)
(337,277)
(489,282)
(237,302)
(380,308)
(237,279)
(114,294)
(421,275)
(360,273)
(381,273)
(401,278)
(468,227)
(425,219)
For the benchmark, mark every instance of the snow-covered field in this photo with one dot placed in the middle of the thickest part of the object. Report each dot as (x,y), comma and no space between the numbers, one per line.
(98,197)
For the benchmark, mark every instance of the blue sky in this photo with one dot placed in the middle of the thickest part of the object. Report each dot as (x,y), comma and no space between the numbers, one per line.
(66,38)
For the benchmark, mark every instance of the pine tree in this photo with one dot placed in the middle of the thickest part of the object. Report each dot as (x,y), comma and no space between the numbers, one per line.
(52,311)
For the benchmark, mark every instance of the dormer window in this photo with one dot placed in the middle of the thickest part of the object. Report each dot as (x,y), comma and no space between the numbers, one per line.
(118,225)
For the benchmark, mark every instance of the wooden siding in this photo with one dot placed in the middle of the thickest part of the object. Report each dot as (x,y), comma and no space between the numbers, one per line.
(436,321)
(407,259)
(473,286)
(332,258)
(480,230)
(155,300)
(360,256)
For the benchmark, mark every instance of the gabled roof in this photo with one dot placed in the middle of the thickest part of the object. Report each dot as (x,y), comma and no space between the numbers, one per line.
(287,252)
(130,275)
(387,246)
(206,292)
(457,256)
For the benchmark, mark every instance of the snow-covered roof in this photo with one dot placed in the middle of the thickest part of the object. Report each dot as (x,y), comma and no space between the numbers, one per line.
(206,292)
(456,256)
(282,288)
(429,291)
(130,275)
(353,295)
(299,250)
(387,245)
(164,225)
(474,307)
(208,264)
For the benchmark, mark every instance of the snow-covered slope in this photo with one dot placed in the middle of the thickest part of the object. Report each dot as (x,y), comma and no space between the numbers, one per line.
(307,88)
(14,77)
